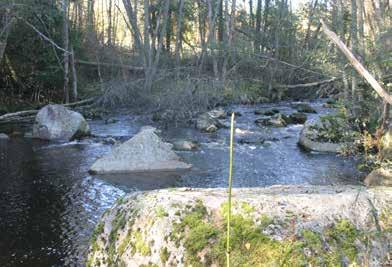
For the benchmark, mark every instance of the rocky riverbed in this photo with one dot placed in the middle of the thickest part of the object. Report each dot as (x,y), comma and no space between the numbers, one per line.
(50,204)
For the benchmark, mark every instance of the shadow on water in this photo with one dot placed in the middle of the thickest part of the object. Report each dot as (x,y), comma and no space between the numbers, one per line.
(49,203)
(142,181)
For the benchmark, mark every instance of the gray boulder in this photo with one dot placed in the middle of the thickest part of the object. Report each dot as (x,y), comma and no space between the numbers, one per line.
(143,152)
(3,136)
(185,145)
(56,122)
(277,120)
(298,118)
(308,140)
(269,112)
(218,113)
(304,107)
(379,177)
(206,123)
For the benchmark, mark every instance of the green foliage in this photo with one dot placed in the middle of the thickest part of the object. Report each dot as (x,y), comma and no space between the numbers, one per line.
(342,237)
(97,231)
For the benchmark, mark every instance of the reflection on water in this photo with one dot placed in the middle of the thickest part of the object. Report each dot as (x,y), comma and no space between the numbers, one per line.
(49,203)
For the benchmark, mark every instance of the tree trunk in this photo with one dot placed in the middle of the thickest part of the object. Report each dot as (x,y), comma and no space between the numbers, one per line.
(74,77)
(110,25)
(251,15)
(265,24)
(202,33)
(356,64)
(258,27)
(354,47)
(211,37)
(229,43)
(179,34)
(221,27)
(169,31)
(312,9)
(66,48)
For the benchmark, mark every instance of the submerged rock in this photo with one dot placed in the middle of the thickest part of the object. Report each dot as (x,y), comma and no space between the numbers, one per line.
(304,107)
(308,140)
(218,113)
(208,124)
(251,140)
(185,145)
(298,118)
(143,152)
(277,120)
(379,177)
(110,121)
(109,141)
(299,225)
(56,122)
(3,136)
(269,112)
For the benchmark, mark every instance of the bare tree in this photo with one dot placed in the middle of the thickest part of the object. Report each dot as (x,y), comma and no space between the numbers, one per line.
(74,76)
(180,16)
(151,53)
(66,48)
(5,27)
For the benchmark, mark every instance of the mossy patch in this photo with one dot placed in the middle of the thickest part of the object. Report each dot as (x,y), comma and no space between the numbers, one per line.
(386,220)
(161,212)
(164,255)
(97,231)
(141,246)
(342,237)
(205,241)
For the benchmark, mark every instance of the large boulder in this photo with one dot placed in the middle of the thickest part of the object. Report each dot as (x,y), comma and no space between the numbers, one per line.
(273,226)
(56,122)
(185,145)
(308,141)
(143,152)
(379,177)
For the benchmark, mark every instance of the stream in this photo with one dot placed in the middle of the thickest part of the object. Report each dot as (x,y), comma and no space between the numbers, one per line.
(49,203)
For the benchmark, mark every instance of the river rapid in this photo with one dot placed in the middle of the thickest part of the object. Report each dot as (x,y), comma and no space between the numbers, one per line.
(49,203)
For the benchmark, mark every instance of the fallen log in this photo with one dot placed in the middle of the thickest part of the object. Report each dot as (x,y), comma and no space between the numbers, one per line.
(304,85)
(356,64)
(27,114)
(91,63)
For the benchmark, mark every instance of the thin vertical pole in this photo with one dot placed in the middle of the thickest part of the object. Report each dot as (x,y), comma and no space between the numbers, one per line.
(230,186)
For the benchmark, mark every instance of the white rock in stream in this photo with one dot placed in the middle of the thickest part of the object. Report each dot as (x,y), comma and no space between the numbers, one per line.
(307,140)
(56,122)
(3,136)
(299,225)
(143,152)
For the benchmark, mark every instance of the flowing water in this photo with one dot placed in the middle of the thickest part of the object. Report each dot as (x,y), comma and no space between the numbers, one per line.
(49,203)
